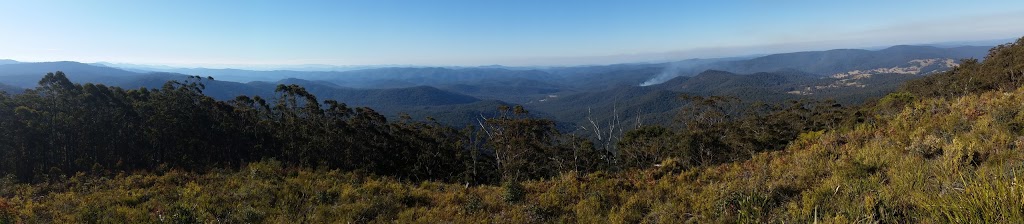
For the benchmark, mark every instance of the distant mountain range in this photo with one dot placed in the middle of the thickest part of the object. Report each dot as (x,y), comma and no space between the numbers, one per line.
(823,63)
(26,75)
(572,95)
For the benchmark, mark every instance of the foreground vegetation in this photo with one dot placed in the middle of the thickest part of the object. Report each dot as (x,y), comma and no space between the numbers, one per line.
(941,150)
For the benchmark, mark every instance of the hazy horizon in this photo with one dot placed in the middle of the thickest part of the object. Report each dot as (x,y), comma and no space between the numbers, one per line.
(611,59)
(250,35)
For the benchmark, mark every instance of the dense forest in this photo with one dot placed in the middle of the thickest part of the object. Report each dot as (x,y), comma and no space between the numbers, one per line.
(943,148)
(61,128)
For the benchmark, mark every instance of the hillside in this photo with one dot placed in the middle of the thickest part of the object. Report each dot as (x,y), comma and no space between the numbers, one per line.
(598,78)
(624,106)
(657,104)
(936,160)
(761,86)
(845,60)
(512,90)
(388,101)
(945,149)
(10,89)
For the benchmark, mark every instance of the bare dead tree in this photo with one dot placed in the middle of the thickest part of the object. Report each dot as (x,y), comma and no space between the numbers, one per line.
(607,134)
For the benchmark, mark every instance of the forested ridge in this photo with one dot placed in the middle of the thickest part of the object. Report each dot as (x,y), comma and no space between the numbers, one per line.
(62,128)
(944,148)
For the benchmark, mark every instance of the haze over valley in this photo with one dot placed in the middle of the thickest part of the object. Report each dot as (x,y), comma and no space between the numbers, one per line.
(560,93)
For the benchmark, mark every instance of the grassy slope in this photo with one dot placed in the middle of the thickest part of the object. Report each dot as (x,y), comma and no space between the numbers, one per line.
(935,160)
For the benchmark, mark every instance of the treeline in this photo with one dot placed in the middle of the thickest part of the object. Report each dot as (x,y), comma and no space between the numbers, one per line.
(718,129)
(61,128)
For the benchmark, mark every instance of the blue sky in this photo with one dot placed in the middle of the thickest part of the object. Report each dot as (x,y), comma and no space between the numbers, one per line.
(482,32)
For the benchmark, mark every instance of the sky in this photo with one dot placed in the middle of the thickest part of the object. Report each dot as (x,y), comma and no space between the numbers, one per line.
(478,32)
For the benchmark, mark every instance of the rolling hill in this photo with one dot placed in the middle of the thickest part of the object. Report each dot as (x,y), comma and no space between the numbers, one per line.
(10,88)
(843,60)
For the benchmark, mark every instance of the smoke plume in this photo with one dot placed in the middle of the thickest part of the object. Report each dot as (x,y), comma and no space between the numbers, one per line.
(671,71)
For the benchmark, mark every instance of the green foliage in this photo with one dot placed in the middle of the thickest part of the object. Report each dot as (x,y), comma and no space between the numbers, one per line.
(7,212)
(896,100)
(646,146)
(513,191)
(1001,70)
(724,129)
